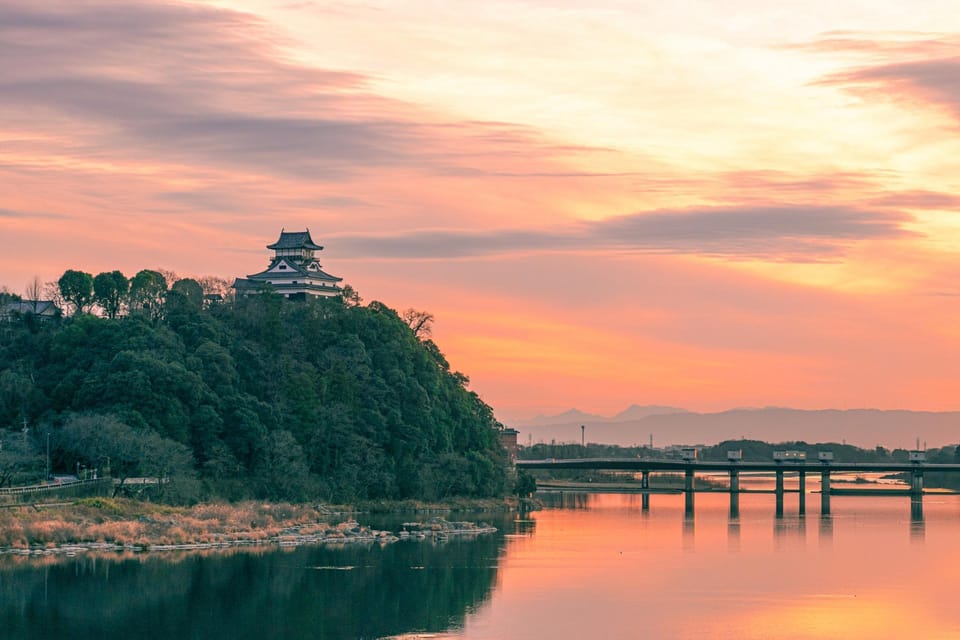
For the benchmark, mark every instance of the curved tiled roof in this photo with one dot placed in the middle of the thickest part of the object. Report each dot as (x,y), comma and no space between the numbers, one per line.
(294,270)
(294,240)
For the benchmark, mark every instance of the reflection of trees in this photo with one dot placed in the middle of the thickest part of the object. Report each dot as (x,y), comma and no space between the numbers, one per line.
(399,588)
(565,499)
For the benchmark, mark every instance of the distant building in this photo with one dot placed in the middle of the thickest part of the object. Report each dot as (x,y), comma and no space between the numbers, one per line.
(41,309)
(293,272)
(508,440)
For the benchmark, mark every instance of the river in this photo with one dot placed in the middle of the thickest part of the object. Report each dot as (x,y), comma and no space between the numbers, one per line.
(587,566)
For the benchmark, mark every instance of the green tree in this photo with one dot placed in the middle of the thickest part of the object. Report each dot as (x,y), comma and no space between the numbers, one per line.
(148,292)
(350,296)
(172,466)
(76,289)
(110,290)
(187,292)
(526,484)
(282,471)
(20,459)
(270,398)
(102,440)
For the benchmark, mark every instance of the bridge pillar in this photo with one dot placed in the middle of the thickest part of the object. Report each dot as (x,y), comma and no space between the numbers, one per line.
(825,492)
(734,493)
(803,492)
(916,495)
(645,485)
(688,491)
(916,482)
(779,491)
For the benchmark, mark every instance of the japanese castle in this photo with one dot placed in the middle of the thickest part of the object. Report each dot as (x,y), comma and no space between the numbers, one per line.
(293,272)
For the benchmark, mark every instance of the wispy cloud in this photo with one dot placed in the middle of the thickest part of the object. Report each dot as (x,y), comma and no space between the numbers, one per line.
(27,215)
(917,199)
(916,68)
(197,85)
(796,233)
(885,45)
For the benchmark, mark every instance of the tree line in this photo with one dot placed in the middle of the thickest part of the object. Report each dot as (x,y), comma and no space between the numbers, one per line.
(257,397)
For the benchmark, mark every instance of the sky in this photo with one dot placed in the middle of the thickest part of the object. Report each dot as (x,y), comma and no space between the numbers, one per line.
(708,205)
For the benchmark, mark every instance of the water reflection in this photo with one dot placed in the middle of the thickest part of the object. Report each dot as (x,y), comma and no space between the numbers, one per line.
(790,533)
(689,537)
(825,530)
(564,499)
(586,566)
(916,508)
(624,573)
(524,524)
(733,534)
(918,531)
(349,592)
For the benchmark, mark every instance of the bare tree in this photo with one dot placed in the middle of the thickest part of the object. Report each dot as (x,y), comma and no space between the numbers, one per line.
(213,285)
(169,275)
(421,322)
(51,291)
(33,292)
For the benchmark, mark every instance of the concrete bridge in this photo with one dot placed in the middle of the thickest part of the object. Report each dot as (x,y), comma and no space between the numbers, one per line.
(734,467)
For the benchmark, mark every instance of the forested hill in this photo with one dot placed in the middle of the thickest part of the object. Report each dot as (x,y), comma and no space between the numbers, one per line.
(259,398)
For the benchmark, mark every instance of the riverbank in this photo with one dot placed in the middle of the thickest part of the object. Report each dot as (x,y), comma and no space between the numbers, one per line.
(123,524)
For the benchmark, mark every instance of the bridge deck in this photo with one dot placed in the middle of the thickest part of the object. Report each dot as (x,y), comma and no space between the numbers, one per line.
(641,464)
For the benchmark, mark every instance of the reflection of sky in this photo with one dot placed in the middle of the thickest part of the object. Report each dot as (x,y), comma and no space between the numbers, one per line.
(766,481)
(614,572)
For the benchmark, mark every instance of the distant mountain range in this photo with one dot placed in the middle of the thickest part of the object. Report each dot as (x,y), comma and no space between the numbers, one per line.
(633,412)
(672,425)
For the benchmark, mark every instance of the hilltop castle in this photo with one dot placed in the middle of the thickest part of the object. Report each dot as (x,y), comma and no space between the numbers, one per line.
(293,272)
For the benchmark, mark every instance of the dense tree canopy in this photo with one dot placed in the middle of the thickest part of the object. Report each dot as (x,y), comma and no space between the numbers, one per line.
(262,397)
(148,291)
(110,291)
(76,289)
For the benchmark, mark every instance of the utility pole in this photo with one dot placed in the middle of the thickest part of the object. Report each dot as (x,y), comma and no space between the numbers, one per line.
(583,435)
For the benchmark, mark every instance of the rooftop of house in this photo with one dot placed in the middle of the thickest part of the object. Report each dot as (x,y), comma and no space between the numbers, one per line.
(39,307)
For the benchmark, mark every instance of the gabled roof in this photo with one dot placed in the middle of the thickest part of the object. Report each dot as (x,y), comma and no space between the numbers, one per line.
(40,307)
(323,275)
(294,240)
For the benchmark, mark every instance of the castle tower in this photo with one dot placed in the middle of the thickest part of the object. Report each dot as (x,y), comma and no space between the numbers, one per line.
(293,272)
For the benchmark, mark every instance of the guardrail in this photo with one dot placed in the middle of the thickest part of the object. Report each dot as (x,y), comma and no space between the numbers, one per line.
(49,488)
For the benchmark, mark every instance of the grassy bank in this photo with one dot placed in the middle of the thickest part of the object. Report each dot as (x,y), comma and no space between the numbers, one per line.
(128,522)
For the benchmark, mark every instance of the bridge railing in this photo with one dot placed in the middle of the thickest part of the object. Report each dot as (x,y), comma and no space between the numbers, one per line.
(52,488)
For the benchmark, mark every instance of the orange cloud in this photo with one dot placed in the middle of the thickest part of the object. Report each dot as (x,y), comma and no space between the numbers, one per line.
(675,215)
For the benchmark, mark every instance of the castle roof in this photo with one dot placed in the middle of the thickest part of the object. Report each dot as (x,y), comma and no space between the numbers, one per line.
(286,268)
(294,240)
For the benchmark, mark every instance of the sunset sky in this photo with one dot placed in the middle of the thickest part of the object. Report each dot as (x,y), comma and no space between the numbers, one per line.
(704,204)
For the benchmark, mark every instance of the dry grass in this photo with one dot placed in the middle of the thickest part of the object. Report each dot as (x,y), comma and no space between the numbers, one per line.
(128,522)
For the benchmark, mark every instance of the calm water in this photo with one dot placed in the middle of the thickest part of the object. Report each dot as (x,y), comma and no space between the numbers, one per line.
(588,566)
